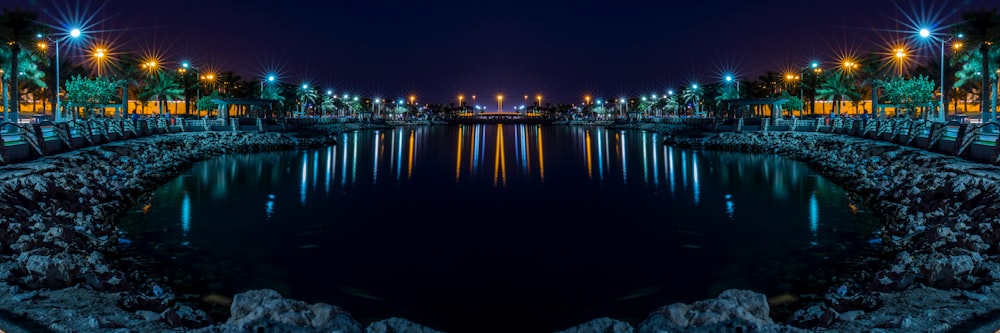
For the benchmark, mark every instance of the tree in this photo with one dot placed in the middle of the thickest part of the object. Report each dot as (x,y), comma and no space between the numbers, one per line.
(868,74)
(836,89)
(908,94)
(29,70)
(981,30)
(90,94)
(17,28)
(693,95)
(164,89)
(305,94)
(207,103)
(792,103)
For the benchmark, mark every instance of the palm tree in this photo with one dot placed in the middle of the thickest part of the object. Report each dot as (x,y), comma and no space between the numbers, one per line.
(836,89)
(163,89)
(692,95)
(28,68)
(870,72)
(981,29)
(17,27)
(306,94)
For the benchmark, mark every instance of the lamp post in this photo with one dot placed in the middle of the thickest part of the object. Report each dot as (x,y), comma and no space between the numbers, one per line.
(729,78)
(900,53)
(499,103)
(56,114)
(942,113)
(270,78)
(305,90)
(694,92)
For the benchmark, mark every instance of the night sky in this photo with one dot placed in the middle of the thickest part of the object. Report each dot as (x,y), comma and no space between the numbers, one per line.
(561,50)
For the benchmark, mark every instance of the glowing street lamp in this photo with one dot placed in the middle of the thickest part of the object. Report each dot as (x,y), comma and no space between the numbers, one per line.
(74,33)
(729,78)
(925,33)
(460,97)
(694,87)
(900,54)
(499,103)
(539,99)
(99,55)
(269,79)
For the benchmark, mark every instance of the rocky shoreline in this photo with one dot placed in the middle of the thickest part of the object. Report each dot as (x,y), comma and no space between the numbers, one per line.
(59,270)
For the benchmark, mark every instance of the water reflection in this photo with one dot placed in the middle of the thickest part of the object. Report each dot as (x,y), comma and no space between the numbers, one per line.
(412,191)
(398,152)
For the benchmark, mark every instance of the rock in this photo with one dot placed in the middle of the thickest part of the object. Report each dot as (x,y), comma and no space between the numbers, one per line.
(974,296)
(601,325)
(732,310)
(397,325)
(148,315)
(25,296)
(813,316)
(851,315)
(265,308)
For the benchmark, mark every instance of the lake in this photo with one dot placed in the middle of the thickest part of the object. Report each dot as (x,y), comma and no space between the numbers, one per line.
(499,228)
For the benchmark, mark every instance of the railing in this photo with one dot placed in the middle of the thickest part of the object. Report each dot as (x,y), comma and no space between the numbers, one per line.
(20,142)
(974,141)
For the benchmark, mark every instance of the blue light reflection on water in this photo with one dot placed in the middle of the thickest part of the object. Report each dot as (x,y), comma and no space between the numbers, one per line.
(456,226)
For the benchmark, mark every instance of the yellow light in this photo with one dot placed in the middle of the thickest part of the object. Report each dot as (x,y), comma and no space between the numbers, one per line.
(900,53)
(42,46)
(957,45)
(99,53)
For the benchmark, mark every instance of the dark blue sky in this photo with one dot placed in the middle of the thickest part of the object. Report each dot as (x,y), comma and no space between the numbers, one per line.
(562,50)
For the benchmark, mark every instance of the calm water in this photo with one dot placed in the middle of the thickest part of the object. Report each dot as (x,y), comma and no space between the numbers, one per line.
(500,228)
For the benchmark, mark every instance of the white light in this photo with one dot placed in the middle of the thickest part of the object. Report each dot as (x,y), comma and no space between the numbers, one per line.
(924,33)
(74,33)
(729,78)
(270,78)
(305,86)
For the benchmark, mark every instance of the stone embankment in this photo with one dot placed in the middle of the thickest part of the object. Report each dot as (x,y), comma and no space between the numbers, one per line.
(940,232)
(57,214)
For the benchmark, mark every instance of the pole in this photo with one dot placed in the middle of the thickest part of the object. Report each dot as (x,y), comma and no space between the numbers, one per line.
(55,113)
(941,112)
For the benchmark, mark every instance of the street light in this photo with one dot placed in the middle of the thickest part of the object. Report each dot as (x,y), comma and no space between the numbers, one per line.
(694,89)
(927,34)
(499,103)
(729,78)
(72,34)
(900,53)
(270,78)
